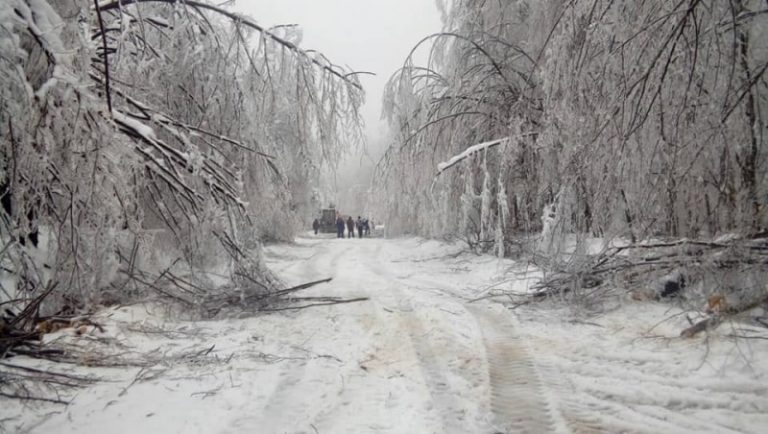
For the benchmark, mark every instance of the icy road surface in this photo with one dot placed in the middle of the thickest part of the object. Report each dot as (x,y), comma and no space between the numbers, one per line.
(415,358)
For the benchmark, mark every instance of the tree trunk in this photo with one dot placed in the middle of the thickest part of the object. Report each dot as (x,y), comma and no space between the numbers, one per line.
(750,154)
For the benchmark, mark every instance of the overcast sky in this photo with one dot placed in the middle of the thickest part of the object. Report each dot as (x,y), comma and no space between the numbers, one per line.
(365,35)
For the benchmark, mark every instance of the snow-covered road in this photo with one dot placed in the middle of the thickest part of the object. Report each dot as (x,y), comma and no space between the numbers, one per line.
(417,357)
(423,359)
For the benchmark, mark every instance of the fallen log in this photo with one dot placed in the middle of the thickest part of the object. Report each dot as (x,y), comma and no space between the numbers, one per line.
(724,312)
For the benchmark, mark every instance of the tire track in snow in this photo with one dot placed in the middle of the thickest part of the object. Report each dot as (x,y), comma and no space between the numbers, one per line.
(287,404)
(432,362)
(505,372)
(518,403)
(671,407)
(281,408)
(433,369)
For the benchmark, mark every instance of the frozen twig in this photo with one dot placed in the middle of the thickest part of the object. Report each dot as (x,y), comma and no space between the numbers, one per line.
(329,303)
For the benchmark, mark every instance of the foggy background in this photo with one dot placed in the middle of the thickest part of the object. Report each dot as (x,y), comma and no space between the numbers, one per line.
(363,35)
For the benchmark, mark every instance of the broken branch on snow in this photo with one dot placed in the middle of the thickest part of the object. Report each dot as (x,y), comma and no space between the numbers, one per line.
(663,270)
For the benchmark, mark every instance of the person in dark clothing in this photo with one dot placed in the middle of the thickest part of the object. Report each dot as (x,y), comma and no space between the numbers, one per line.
(359,226)
(350,228)
(339,227)
(316,225)
(366,228)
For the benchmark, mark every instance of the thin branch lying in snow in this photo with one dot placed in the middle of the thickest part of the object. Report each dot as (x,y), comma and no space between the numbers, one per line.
(83,379)
(340,301)
(33,398)
(300,287)
(206,393)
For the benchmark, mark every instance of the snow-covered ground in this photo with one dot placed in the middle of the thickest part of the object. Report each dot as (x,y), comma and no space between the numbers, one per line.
(417,357)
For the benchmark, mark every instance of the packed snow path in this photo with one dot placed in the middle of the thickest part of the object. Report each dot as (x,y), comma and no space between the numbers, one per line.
(459,369)
(417,357)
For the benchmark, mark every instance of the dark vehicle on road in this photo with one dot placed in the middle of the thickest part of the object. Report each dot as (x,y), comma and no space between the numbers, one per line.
(328,220)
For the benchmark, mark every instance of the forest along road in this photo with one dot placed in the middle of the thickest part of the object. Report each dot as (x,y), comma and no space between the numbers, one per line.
(415,357)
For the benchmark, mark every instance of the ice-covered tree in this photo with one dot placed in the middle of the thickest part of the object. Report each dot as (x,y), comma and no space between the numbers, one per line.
(634,119)
(145,139)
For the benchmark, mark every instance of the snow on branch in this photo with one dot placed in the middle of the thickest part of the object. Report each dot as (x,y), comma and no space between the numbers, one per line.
(44,25)
(217,177)
(469,151)
(441,167)
(165,120)
(113,4)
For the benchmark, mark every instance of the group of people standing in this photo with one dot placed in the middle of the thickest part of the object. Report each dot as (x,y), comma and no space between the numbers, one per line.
(362,225)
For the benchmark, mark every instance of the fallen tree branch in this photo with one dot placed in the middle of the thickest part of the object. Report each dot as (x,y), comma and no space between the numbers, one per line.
(717,318)
(27,313)
(52,373)
(705,324)
(300,287)
(342,301)
(33,398)
(664,257)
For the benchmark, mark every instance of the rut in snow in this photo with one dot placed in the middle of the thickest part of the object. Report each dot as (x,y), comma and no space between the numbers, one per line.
(517,402)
